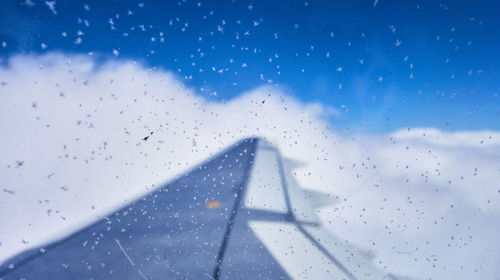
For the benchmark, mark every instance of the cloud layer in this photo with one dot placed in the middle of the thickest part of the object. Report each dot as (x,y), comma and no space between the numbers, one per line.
(427,201)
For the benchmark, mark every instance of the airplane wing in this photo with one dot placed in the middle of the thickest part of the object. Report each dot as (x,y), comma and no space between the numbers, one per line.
(239,215)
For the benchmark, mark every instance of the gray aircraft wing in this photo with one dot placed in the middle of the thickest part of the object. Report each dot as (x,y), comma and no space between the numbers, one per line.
(239,215)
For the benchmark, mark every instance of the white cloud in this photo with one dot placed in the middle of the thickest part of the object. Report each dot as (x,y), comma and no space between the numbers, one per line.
(427,201)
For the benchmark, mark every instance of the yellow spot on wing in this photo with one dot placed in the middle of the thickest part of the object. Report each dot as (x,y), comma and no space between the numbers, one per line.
(212,204)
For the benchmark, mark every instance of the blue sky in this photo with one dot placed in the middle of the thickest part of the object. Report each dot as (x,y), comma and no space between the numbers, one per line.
(383,65)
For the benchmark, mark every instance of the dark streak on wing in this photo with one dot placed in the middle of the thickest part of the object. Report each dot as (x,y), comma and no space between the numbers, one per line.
(240,195)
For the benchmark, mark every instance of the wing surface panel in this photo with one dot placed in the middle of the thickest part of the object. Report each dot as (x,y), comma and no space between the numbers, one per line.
(175,232)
